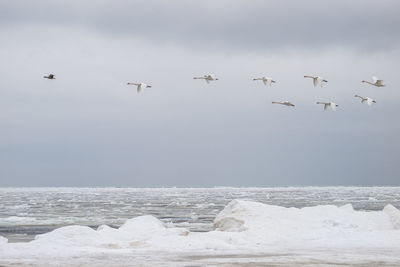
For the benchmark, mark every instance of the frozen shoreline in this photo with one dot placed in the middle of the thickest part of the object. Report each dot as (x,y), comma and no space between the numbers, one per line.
(245,233)
(27,212)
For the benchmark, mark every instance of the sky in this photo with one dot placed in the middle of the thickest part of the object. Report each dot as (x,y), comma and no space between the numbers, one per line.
(88,128)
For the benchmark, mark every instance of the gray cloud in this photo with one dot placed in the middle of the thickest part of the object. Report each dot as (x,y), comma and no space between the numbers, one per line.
(248,25)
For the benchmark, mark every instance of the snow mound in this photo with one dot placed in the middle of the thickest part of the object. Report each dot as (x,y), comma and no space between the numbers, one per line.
(73,235)
(139,228)
(240,215)
(394,215)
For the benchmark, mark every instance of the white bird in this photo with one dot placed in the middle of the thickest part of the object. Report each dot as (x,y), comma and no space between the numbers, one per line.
(366,99)
(286,103)
(140,86)
(327,104)
(207,78)
(266,80)
(375,82)
(317,80)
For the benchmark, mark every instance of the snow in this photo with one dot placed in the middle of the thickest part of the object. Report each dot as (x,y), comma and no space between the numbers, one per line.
(3,240)
(394,215)
(241,228)
(324,226)
(325,219)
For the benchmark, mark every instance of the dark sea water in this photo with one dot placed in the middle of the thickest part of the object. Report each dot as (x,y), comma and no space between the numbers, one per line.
(26,212)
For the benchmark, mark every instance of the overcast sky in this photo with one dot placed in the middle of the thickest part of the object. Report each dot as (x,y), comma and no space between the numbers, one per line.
(88,128)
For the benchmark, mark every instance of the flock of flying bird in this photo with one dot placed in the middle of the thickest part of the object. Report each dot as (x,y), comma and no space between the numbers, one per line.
(317,81)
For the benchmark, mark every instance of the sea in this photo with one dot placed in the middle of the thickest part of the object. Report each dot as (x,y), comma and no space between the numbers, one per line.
(27,212)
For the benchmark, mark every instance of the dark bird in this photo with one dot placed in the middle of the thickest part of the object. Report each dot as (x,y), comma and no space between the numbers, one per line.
(50,77)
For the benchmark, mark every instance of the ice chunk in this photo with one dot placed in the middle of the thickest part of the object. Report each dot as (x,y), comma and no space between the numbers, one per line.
(143,227)
(394,215)
(231,218)
(241,215)
(142,224)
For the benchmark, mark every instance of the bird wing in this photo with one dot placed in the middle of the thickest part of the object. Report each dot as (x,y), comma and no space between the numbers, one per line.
(265,81)
(326,106)
(333,106)
(379,82)
(374,79)
(136,84)
(320,81)
(315,81)
(207,80)
(139,88)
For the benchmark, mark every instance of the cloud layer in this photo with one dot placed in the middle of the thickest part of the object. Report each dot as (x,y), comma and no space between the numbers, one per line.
(244,25)
(88,128)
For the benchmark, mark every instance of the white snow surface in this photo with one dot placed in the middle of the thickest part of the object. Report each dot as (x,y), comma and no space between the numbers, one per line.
(259,232)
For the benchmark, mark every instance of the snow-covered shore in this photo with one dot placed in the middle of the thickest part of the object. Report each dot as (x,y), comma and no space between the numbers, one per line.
(245,233)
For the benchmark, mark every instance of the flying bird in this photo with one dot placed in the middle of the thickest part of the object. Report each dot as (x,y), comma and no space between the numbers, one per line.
(266,80)
(286,103)
(366,99)
(375,82)
(50,77)
(207,78)
(140,86)
(317,80)
(327,104)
